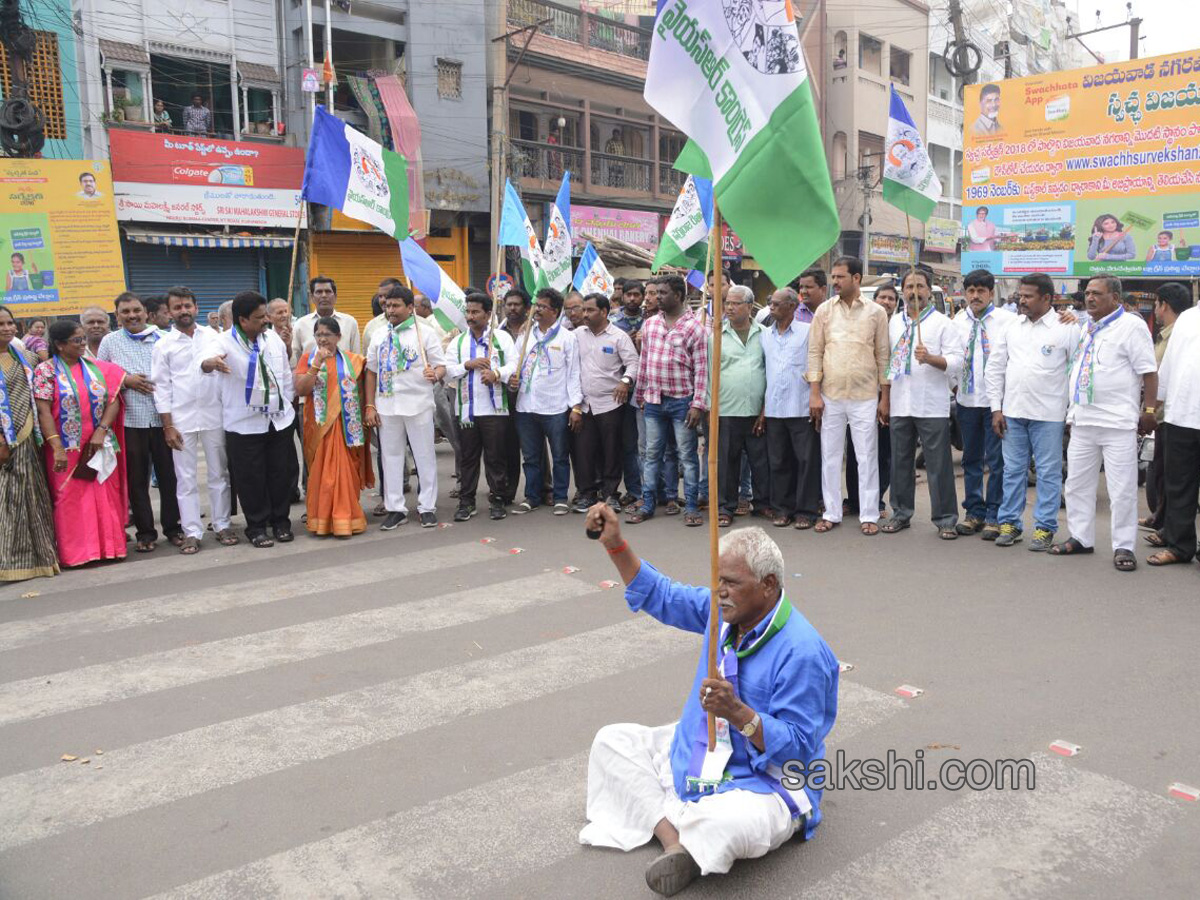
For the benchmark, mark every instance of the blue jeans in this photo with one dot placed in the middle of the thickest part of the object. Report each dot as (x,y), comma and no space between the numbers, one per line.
(533,429)
(670,417)
(1044,440)
(631,461)
(981,448)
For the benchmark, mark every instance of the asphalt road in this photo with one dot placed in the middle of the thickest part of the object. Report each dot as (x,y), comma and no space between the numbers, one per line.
(408,715)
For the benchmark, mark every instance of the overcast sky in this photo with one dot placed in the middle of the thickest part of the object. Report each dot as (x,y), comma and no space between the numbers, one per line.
(1168,26)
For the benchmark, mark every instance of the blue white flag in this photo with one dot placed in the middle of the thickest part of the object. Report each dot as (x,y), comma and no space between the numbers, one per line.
(592,277)
(684,241)
(556,251)
(517,231)
(909,182)
(446,297)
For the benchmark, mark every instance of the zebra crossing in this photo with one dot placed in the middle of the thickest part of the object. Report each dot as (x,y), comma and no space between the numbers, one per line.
(409,717)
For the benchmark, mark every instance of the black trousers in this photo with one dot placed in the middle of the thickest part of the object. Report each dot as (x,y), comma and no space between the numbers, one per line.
(1156,494)
(601,448)
(263,466)
(512,450)
(737,437)
(485,440)
(793,449)
(1181,476)
(144,446)
(884,452)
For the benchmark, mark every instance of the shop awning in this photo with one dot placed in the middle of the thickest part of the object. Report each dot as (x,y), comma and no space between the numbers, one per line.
(175,239)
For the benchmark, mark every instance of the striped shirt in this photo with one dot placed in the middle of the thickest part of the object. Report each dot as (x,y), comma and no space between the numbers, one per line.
(134,357)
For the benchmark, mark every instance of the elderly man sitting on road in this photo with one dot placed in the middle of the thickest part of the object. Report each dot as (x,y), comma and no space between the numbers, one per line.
(775,702)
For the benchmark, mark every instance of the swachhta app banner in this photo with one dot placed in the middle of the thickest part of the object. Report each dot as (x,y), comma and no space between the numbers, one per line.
(1089,171)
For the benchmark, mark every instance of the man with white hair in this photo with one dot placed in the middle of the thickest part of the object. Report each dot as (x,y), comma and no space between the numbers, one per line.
(709,808)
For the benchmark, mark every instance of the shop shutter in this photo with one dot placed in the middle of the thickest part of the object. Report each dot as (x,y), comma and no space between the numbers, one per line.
(357,262)
(214,274)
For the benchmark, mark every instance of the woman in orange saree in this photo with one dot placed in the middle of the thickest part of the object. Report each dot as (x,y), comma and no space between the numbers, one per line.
(335,437)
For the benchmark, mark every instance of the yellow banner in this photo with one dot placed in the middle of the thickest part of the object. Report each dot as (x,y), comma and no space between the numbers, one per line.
(58,236)
(1090,170)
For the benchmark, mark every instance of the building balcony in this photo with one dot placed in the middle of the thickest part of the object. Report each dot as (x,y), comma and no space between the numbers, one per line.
(582,36)
(538,168)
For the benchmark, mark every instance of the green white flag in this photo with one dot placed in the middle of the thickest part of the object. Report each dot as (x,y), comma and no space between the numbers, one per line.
(909,182)
(684,241)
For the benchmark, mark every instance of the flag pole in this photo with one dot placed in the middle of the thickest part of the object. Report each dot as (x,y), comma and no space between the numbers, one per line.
(295,252)
(417,327)
(714,427)
(912,264)
(708,267)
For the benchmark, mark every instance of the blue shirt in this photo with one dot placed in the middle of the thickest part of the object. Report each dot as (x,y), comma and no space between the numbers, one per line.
(786,357)
(791,681)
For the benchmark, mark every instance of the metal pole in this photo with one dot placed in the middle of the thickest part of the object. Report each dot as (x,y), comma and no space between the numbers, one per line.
(312,64)
(1135,26)
(329,88)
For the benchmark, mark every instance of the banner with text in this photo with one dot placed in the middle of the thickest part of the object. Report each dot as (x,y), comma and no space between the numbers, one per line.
(1090,170)
(58,236)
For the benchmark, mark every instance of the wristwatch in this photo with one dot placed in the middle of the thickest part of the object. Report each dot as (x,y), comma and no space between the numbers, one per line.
(750,727)
(626,380)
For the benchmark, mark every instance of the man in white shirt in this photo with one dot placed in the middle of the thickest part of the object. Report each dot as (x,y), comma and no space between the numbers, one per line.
(404,364)
(1179,388)
(608,364)
(477,365)
(443,404)
(255,377)
(549,401)
(1111,367)
(322,293)
(926,349)
(1026,382)
(190,407)
(979,324)
(377,324)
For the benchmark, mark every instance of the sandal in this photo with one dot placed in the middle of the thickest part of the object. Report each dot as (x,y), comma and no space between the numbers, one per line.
(261,541)
(638,516)
(870,529)
(724,520)
(948,534)
(892,526)
(226,537)
(175,539)
(825,525)
(743,508)
(1124,561)
(672,508)
(1147,522)
(145,546)
(692,519)
(189,546)
(803,523)
(1155,539)
(1070,547)
(782,521)
(1166,557)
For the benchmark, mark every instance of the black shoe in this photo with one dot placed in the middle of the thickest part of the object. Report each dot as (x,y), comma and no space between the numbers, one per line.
(393,521)
(428,520)
(582,504)
(496,513)
(463,513)
(614,503)
(284,537)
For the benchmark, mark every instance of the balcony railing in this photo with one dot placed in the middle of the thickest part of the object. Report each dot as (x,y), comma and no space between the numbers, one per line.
(587,29)
(548,162)
(623,172)
(670,179)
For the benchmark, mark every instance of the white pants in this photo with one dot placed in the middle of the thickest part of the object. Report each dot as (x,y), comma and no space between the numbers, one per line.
(395,432)
(1117,447)
(631,789)
(186,489)
(860,416)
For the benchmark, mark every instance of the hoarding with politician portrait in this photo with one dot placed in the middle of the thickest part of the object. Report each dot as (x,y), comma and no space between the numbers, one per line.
(1088,171)
(58,236)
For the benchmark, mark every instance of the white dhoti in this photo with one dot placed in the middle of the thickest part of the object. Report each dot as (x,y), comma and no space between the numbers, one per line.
(631,789)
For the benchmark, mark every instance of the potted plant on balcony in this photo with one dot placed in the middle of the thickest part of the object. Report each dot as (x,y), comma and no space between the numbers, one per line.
(132,109)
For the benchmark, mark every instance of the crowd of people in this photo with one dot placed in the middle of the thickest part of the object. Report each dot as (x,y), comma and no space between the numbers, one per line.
(610,393)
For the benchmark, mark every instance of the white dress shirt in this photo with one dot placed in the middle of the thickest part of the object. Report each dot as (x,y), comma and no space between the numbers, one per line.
(192,399)
(993,324)
(555,385)
(471,394)
(1179,374)
(785,356)
(1027,371)
(411,394)
(604,359)
(372,328)
(302,334)
(925,392)
(238,416)
(1122,353)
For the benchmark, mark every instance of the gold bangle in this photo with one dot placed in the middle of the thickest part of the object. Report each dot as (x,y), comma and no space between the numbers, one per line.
(371,406)
(53,437)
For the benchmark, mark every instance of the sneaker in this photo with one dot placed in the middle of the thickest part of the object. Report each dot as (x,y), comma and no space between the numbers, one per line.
(428,520)
(393,521)
(991,531)
(561,508)
(523,507)
(970,525)
(1043,539)
(1009,535)
(614,503)
(497,512)
(582,504)
(463,513)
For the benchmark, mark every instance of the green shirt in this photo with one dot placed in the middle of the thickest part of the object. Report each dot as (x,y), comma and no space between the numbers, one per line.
(743,371)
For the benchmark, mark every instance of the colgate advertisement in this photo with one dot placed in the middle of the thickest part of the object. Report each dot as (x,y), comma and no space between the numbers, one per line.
(199,180)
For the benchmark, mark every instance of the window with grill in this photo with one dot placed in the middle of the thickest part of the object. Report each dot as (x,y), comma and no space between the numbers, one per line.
(449,75)
(44,79)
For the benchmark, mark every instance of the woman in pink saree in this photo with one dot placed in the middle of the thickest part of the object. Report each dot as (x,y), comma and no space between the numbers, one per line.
(79,410)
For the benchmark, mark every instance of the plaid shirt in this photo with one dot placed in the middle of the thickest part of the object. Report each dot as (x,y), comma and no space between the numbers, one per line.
(134,357)
(674,361)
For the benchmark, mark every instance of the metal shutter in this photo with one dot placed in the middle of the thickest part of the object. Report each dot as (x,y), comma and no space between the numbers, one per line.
(214,274)
(357,263)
